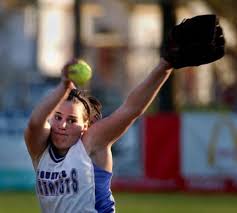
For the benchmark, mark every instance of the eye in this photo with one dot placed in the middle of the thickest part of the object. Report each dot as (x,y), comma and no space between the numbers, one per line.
(71,120)
(57,117)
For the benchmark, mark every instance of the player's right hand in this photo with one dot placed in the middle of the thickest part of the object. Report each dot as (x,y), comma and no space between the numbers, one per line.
(64,75)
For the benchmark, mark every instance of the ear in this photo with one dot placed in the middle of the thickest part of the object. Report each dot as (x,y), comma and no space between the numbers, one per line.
(50,120)
(86,126)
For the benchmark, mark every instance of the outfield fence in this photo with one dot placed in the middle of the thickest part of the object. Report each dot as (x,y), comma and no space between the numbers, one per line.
(165,152)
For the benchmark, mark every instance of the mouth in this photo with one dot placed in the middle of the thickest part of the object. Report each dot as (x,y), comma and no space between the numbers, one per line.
(60,133)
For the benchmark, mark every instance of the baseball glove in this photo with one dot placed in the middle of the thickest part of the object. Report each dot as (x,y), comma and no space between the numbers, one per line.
(196,41)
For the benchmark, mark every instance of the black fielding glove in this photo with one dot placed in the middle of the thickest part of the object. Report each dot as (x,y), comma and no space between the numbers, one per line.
(196,41)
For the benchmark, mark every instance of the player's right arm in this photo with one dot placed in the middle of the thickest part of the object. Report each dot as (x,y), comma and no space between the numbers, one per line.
(38,128)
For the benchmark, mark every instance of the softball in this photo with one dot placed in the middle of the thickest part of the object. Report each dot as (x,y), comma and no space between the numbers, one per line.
(80,73)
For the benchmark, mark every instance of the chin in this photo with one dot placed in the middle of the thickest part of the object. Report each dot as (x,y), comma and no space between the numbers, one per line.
(61,149)
(62,145)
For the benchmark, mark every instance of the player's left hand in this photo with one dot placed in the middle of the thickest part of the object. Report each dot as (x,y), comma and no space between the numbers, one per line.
(196,41)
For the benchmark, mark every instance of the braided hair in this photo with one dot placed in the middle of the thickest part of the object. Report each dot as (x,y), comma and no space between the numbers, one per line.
(92,106)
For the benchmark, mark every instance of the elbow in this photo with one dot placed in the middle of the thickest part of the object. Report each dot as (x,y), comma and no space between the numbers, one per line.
(138,112)
(135,108)
(34,123)
(134,112)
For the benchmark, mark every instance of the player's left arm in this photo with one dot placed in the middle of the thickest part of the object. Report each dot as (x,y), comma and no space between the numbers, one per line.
(195,41)
(107,131)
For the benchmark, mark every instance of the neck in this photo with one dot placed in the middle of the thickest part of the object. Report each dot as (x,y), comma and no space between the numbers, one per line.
(59,152)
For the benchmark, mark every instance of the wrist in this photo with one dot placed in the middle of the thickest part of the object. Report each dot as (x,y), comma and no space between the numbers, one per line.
(164,64)
(67,84)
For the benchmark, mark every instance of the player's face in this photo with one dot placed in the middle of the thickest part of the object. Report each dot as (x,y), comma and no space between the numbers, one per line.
(67,125)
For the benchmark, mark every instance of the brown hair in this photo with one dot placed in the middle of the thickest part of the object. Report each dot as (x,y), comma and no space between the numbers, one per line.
(92,106)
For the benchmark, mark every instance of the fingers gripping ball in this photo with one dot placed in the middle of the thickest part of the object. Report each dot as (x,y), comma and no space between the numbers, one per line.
(80,72)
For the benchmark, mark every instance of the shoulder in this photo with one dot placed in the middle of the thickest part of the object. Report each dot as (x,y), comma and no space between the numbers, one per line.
(40,158)
(36,140)
(103,158)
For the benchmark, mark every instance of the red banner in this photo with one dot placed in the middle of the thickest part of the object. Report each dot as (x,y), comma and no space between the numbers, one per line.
(162,158)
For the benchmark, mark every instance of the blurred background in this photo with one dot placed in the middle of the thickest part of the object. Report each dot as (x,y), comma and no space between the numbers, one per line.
(187,140)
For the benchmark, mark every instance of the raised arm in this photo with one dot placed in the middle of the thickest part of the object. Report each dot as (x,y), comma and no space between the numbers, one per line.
(193,42)
(38,129)
(141,97)
(108,130)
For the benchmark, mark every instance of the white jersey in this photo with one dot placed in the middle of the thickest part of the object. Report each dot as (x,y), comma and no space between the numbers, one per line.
(68,184)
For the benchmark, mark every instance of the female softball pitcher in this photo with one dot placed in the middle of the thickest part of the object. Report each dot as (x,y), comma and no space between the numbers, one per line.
(70,144)
(72,155)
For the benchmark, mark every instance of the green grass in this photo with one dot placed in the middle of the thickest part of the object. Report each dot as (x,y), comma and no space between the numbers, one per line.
(13,202)
(26,202)
(175,203)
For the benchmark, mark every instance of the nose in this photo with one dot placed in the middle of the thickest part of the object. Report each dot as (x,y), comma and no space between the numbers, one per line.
(63,124)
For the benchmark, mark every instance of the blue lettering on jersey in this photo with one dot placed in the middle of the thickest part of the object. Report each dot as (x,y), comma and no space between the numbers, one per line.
(57,183)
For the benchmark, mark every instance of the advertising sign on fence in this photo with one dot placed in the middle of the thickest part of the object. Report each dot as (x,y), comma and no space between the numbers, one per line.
(209,151)
(16,170)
